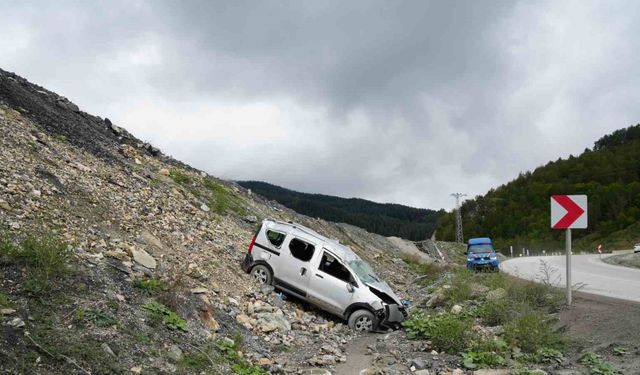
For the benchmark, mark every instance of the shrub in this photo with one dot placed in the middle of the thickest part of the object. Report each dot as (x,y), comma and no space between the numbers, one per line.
(538,296)
(547,355)
(597,366)
(531,332)
(473,360)
(501,311)
(160,313)
(151,286)
(45,257)
(4,300)
(100,318)
(6,247)
(496,312)
(448,332)
(229,351)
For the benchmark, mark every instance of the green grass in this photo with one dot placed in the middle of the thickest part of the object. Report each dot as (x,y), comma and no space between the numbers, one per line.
(532,332)
(45,257)
(223,199)
(179,177)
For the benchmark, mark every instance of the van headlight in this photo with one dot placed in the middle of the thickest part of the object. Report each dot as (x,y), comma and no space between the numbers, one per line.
(469,259)
(493,257)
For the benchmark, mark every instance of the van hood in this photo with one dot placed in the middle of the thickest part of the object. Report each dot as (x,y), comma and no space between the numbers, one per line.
(384,291)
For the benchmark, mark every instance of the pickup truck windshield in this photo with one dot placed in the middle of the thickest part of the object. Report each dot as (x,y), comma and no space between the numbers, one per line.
(481,249)
(364,271)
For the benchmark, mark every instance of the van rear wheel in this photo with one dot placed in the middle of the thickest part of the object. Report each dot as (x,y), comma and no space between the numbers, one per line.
(261,275)
(363,321)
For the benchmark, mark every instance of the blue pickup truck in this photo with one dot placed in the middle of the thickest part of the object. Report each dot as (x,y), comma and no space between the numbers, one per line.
(481,255)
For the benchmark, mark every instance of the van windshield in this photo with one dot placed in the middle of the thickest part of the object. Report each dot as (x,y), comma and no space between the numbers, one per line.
(481,249)
(364,271)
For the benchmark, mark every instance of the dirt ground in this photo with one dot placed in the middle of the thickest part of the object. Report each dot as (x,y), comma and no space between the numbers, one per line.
(600,324)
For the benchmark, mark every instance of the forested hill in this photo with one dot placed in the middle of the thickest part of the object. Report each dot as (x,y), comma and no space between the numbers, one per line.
(518,213)
(382,218)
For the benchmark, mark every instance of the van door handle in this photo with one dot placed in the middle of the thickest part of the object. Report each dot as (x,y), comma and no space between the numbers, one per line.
(319,275)
(303,271)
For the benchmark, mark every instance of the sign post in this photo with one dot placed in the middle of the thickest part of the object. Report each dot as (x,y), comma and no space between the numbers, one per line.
(567,212)
(568,251)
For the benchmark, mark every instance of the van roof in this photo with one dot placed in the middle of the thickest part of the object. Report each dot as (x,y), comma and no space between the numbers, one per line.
(479,241)
(341,251)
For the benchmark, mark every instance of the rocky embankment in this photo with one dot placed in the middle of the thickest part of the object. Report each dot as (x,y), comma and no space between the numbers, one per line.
(152,282)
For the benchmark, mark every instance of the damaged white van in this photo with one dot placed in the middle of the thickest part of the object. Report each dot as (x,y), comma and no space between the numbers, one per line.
(323,272)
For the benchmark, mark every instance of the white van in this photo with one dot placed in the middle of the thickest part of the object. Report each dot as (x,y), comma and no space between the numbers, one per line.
(319,270)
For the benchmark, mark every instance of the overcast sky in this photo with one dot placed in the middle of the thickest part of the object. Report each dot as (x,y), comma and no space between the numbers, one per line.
(392,101)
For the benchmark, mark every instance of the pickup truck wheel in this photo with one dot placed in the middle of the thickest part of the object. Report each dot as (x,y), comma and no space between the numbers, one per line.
(363,320)
(261,275)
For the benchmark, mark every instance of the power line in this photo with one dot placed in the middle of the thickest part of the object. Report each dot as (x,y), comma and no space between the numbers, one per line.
(459,235)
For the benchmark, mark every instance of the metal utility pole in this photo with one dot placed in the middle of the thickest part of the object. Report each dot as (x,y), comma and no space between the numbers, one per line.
(459,236)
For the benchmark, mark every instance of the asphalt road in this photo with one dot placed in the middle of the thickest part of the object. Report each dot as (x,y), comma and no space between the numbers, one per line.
(595,276)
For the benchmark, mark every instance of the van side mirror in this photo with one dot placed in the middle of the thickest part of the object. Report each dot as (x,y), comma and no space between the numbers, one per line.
(350,288)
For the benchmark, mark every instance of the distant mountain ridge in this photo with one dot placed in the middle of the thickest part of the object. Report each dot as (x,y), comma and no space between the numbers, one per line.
(517,213)
(386,219)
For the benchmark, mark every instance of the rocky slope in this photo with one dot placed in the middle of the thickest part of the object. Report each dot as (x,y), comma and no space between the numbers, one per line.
(143,228)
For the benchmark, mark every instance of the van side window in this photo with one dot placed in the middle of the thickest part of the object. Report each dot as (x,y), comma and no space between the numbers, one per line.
(276,238)
(301,250)
(331,266)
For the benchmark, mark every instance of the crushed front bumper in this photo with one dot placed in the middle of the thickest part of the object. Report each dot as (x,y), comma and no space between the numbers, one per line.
(391,316)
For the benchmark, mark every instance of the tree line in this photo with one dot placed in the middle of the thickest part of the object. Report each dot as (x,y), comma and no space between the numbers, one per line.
(386,219)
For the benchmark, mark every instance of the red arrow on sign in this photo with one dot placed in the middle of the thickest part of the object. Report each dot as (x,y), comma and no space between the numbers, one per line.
(573,211)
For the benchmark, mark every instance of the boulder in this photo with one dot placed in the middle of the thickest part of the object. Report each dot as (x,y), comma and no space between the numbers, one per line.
(175,353)
(143,258)
(269,322)
(437,299)
(417,364)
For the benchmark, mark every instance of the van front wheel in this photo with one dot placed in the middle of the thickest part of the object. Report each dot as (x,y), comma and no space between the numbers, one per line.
(261,275)
(363,320)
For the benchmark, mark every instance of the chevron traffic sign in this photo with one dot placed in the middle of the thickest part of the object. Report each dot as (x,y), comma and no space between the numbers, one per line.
(569,211)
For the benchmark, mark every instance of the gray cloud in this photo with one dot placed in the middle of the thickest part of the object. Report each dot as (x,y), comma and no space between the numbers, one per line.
(392,101)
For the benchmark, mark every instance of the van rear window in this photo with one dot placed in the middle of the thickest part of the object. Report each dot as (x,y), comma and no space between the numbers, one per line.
(301,250)
(276,238)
